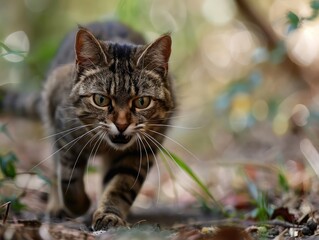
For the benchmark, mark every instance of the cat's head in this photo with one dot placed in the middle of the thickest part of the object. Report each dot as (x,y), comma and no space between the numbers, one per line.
(123,91)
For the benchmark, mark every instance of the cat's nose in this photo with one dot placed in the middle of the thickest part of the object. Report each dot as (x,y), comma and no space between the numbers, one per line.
(121,121)
(121,127)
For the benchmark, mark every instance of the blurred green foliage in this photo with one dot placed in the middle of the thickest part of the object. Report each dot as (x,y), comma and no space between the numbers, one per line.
(262,208)
(295,21)
(283,182)
(7,165)
(8,161)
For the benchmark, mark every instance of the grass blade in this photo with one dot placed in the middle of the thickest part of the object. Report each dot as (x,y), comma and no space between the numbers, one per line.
(193,176)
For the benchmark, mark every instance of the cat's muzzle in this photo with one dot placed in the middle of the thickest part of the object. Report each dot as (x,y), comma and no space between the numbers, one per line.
(120,138)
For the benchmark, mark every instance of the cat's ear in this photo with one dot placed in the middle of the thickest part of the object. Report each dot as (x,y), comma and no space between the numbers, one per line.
(155,56)
(89,52)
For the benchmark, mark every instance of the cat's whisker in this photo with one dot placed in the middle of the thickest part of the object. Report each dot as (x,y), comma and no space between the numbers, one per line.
(139,126)
(156,120)
(159,146)
(141,158)
(174,141)
(99,141)
(78,138)
(158,171)
(105,125)
(174,126)
(67,131)
(58,150)
(98,146)
(147,158)
(77,159)
(162,149)
(74,130)
(92,150)
(156,143)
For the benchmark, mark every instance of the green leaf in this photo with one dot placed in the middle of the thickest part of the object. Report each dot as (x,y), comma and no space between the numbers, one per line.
(263,211)
(7,165)
(193,176)
(283,183)
(293,20)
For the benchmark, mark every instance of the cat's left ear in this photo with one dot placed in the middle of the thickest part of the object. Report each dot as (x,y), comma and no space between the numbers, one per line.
(89,52)
(155,56)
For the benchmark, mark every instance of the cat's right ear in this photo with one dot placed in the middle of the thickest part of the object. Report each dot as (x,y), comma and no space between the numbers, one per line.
(89,52)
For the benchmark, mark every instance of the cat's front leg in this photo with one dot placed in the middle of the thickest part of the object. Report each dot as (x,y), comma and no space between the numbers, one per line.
(122,183)
(68,197)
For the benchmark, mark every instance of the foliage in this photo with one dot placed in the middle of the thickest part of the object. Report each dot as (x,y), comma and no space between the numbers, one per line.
(7,165)
(8,174)
(262,210)
(294,21)
(283,182)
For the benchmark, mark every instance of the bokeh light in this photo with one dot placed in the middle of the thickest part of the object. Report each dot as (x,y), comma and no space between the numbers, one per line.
(19,43)
(300,115)
(280,124)
(219,12)
(260,110)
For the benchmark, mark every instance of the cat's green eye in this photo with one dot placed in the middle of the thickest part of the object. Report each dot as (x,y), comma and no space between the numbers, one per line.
(101,101)
(142,102)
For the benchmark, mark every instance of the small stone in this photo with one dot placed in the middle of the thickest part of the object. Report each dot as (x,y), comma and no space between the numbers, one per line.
(312,225)
(273,232)
(306,231)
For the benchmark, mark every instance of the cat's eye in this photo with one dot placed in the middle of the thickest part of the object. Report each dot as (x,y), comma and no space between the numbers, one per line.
(101,101)
(142,102)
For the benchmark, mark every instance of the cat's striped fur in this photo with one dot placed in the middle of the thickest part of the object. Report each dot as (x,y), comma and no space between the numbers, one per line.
(110,101)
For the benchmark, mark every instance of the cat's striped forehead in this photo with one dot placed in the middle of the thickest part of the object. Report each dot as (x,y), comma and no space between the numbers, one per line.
(123,83)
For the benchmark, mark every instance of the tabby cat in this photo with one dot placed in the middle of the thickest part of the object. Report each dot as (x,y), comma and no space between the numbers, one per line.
(112,98)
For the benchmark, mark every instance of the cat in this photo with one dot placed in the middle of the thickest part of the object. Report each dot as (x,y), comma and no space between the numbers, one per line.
(107,93)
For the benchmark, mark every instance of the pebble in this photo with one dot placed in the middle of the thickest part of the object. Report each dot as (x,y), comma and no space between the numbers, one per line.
(312,225)
(306,231)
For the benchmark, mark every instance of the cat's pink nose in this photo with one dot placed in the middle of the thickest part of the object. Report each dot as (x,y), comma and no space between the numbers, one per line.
(121,127)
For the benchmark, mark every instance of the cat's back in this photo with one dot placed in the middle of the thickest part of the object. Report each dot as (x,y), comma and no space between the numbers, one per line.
(106,31)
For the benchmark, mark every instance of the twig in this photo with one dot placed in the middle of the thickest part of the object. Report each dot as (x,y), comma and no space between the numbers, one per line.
(251,15)
(7,205)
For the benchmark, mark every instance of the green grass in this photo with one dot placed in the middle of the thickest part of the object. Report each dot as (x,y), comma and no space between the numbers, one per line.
(194,177)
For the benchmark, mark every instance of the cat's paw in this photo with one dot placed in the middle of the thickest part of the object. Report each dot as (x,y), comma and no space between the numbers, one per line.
(105,221)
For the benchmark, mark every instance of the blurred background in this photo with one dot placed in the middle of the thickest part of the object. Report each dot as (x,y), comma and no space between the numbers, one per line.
(245,73)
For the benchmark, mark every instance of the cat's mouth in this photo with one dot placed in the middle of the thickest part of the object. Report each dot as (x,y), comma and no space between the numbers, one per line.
(120,139)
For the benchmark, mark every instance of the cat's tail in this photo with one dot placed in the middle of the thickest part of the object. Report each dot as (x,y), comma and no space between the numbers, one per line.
(20,104)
